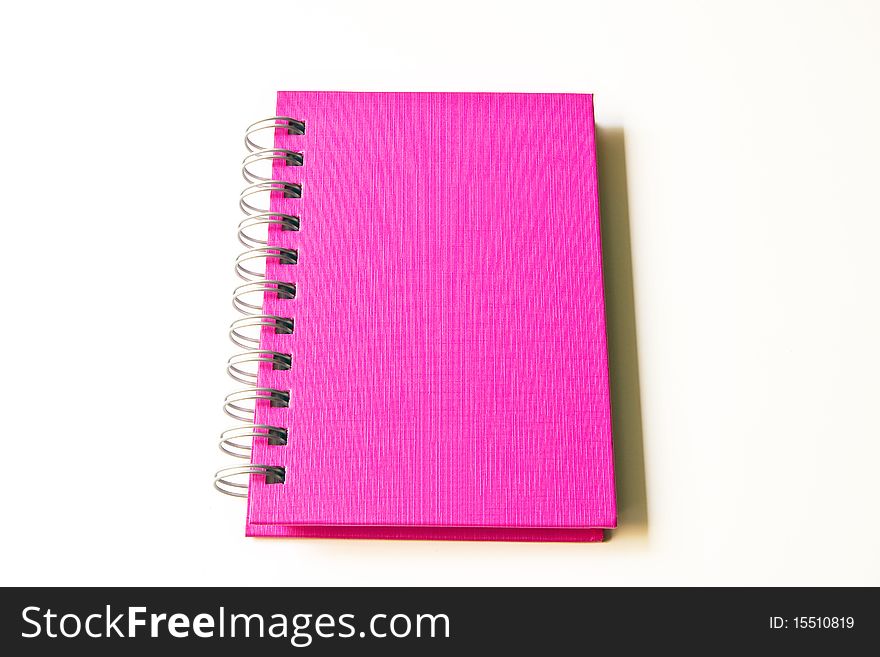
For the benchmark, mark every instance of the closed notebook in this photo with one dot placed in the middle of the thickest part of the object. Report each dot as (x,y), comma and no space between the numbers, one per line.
(425,348)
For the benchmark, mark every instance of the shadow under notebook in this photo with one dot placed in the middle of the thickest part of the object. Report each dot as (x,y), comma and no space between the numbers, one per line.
(626,405)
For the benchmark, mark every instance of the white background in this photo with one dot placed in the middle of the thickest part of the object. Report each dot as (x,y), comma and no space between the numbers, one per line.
(740,166)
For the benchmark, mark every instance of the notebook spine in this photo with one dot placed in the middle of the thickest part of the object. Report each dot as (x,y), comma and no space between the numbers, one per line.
(247,299)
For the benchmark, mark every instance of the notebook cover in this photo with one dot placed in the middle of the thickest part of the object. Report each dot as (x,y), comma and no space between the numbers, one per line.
(450,375)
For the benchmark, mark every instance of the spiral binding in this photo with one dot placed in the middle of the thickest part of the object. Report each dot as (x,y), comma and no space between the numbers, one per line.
(247,299)
(224,483)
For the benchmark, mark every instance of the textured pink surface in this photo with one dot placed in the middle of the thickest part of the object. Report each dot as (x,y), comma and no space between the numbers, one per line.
(539,534)
(450,374)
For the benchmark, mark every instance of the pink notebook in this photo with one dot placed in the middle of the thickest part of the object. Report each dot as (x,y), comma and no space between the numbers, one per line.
(431,359)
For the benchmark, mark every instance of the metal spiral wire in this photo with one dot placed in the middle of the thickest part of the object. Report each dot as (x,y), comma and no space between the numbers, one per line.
(247,299)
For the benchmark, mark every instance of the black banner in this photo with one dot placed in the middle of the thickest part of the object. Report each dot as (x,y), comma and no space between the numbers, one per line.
(435,621)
